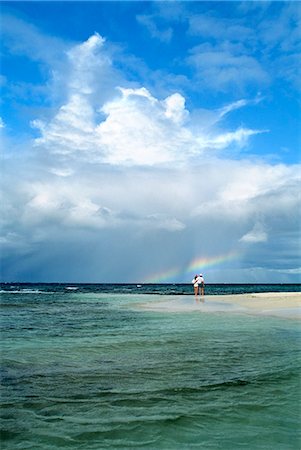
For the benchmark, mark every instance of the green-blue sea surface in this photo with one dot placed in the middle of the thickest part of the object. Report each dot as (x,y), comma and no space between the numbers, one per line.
(88,370)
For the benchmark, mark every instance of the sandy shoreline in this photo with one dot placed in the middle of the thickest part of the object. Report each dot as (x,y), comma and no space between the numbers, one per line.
(281,304)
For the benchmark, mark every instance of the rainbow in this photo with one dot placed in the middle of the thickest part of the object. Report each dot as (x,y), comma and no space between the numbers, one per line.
(198,264)
(195,266)
(167,275)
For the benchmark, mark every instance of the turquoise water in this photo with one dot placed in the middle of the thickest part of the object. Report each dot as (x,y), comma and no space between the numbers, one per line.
(87,370)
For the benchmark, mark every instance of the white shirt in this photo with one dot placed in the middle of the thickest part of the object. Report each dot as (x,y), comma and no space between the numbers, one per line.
(195,282)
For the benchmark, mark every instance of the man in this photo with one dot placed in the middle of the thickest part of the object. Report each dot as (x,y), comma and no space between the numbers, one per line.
(201,283)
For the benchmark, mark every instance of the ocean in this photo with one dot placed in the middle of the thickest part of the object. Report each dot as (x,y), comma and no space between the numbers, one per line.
(83,367)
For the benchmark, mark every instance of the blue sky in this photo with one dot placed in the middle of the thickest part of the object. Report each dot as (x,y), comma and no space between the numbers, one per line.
(146,140)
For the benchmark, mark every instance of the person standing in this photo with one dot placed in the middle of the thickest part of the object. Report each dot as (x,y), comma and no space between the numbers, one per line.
(201,283)
(196,285)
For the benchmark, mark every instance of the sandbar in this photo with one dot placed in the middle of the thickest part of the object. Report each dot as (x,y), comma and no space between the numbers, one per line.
(280,304)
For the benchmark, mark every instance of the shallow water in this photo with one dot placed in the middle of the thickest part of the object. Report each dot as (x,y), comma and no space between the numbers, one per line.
(87,370)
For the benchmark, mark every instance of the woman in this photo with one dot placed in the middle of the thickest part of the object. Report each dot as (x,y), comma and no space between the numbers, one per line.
(195,282)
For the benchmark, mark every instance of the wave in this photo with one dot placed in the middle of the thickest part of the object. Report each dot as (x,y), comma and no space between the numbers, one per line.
(25,291)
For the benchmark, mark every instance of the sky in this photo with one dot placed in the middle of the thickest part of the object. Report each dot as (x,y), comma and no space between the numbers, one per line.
(150,141)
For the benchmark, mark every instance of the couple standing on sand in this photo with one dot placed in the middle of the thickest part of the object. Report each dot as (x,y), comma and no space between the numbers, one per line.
(198,281)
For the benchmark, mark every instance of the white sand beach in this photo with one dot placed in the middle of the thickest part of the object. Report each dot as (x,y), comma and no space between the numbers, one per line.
(281,304)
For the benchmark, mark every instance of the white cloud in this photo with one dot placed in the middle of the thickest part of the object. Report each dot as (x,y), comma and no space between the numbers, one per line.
(164,35)
(74,196)
(166,212)
(231,43)
(25,39)
(61,171)
(219,28)
(220,66)
(239,136)
(2,124)
(237,105)
(71,129)
(139,129)
(162,221)
(87,60)
(175,108)
(255,180)
(282,29)
(135,127)
(257,234)
(295,271)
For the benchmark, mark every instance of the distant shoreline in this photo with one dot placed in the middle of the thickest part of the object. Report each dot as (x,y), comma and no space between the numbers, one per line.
(178,289)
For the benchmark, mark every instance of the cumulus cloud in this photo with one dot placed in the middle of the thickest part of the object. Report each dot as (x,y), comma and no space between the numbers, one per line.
(135,126)
(139,129)
(85,60)
(118,175)
(70,129)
